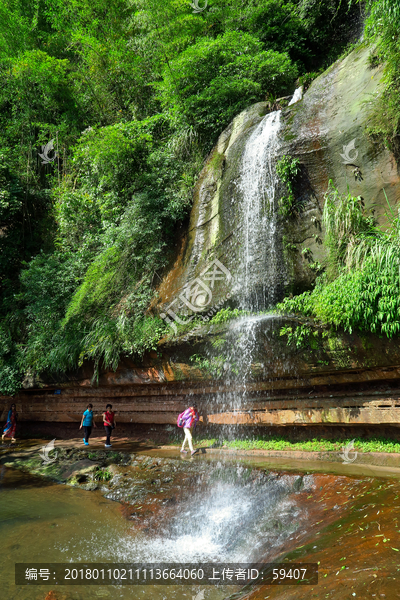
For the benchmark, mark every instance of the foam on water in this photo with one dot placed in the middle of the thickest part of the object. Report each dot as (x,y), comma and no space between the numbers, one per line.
(236,519)
(298,95)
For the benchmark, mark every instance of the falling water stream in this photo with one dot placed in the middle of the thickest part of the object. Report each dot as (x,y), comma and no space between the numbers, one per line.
(259,261)
(261,273)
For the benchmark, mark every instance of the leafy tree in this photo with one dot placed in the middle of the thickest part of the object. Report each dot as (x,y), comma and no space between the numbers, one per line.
(213,80)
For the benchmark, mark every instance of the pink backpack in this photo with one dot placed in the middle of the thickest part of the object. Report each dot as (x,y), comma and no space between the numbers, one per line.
(180,421)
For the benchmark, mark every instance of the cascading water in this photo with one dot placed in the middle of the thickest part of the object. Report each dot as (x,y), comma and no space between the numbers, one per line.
(261,278)
(298,94)
(233,513)
(260,275)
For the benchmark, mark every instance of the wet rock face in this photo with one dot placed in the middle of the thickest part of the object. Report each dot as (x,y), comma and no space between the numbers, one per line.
(328,132)
(215,229)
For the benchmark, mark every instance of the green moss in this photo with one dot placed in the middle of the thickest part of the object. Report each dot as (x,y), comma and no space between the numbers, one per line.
(216,161)
(102,475)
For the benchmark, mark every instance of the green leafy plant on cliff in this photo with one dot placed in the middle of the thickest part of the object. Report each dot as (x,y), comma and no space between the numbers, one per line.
(301,336)
(215,366)
(361,288)
(288,169)
(227,314)
(382,28)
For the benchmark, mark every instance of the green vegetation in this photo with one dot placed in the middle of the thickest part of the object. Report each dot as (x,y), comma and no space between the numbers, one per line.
(302,336)
(360,288)
(102,475)
(315,445)
(227,314)
(134,94)
(216,367)
(383,27)
(276,442)
(288,169)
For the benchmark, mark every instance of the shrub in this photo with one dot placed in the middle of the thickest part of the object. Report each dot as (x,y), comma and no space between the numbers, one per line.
(288,169)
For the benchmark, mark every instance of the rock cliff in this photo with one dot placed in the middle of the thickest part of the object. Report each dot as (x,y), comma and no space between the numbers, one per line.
(328,132)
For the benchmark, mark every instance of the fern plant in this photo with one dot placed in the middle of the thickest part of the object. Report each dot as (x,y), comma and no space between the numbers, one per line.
(362,288)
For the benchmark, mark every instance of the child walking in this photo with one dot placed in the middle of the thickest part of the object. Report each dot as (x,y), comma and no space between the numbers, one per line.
(109,424)
(87,422)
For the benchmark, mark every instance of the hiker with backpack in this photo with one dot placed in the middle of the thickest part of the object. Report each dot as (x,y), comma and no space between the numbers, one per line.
(188,419)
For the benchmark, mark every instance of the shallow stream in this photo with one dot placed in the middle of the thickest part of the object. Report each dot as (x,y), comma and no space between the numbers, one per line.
(226,510)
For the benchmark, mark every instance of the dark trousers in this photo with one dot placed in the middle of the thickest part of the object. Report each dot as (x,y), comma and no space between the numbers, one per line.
(108,434)
(88,430)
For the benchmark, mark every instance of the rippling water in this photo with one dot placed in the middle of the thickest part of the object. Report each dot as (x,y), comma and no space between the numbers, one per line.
(228,515)
(230,512)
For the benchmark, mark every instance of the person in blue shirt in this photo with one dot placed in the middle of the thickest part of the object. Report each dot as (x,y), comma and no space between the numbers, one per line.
(87,422)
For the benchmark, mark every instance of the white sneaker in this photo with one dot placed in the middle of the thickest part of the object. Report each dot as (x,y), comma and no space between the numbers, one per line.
(108,445)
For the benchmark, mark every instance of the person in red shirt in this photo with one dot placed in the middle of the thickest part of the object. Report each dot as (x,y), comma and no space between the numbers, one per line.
(109,424)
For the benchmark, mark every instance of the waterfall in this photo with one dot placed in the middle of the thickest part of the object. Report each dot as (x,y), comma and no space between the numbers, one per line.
(262,269)
(233,513)
(298,95)
(259,276)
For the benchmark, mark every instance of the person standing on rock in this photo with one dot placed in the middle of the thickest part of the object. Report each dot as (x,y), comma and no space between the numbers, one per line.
(188,420)
(11,425)
(109,424)
(87,422)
